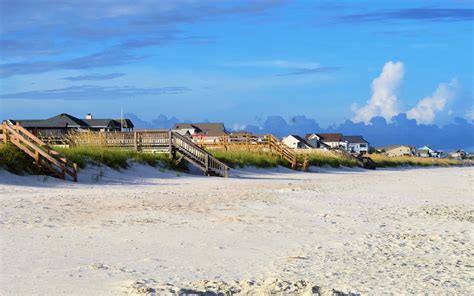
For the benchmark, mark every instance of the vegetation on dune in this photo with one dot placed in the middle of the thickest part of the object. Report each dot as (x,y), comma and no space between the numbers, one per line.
(241,158)
(385,161)
(15,161)
(327,158)
(114,158)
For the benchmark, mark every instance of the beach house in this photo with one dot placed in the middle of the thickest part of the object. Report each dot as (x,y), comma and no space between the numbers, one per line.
(425,151)
(458,154)
(397,150)
(333,140)
(203,132)
(356,144)
(58,126)
(296,142)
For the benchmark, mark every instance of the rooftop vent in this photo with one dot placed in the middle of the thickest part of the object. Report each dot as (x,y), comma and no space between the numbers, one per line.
(89,116)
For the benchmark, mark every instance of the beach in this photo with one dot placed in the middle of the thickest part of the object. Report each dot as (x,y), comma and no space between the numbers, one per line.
(149,231)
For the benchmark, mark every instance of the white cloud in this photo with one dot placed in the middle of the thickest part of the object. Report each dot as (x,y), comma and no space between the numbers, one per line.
(426,109)
(384,100)
(470,114)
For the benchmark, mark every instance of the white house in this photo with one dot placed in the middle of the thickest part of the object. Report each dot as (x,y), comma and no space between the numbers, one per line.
(425,151)
(296,142)
(329,140)
(356,144)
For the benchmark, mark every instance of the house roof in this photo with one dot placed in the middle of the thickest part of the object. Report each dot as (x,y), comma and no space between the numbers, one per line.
(425,148)
(390,147)
(354,139)
(66,120)
(335,137)
(302,140)
(208,129)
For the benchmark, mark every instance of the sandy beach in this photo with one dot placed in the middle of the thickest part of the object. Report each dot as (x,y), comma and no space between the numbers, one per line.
(146,231)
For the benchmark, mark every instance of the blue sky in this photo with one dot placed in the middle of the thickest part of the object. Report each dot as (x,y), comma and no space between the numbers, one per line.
(238,61)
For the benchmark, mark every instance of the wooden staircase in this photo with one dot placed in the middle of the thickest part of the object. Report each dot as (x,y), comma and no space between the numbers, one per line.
(44,156)
(286,153)
(199,157)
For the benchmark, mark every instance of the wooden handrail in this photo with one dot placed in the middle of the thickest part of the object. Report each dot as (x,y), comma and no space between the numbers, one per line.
(39,151)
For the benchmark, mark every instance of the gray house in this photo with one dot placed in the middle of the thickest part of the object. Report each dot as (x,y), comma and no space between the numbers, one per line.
(356,144)
(59,125)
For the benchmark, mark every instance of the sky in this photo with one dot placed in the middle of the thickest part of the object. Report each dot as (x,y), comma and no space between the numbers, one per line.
(239,62)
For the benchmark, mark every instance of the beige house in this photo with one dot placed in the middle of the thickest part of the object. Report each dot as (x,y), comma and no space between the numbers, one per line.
(398,150)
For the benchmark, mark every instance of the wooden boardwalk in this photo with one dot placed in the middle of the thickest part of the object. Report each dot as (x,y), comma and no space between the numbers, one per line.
(179,147)
(44,156)
(262,142)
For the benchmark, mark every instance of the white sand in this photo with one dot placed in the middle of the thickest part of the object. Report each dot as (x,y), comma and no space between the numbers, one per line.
(146,231)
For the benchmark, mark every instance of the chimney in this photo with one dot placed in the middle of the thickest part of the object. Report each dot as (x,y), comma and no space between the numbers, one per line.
(89,116)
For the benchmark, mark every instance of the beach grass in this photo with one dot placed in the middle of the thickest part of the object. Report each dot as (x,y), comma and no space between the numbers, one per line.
(15,161)
(114,158)
(242,157)
(386,161)
(327,158)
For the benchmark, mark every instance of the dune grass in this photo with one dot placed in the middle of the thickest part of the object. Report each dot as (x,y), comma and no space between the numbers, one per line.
(327,158)
(241,158)
(15,161)
(385,161)
(114,158)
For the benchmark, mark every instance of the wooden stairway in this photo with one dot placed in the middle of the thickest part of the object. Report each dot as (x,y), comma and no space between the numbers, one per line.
(199,157)
(43,155)
(286,153)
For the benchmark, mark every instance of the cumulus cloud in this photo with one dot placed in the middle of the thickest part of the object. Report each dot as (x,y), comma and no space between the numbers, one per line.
(470,114)
(426,109)
(384,100)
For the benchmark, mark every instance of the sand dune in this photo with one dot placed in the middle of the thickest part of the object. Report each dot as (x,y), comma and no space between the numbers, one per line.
(144,231)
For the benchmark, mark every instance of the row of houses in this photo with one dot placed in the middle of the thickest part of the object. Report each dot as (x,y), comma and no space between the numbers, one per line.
(59,125)
(425,151)
(353,143)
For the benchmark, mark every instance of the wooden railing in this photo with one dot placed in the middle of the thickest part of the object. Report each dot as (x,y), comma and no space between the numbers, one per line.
(266,142)
(207,162)
(43,154)
(169,141)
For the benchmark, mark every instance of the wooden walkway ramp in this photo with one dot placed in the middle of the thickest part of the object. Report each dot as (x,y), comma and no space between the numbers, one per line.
(44,156)
(196,155)
(179,147)
(263,142)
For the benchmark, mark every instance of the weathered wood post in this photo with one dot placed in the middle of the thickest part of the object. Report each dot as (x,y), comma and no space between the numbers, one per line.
(206,163)
(135,141)
(170,144)
(37,159)
(305,163)
(5,133)
(226,172)
(74,172)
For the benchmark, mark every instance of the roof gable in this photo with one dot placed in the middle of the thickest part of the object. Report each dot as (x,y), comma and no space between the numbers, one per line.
(335,137)
(354,139)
